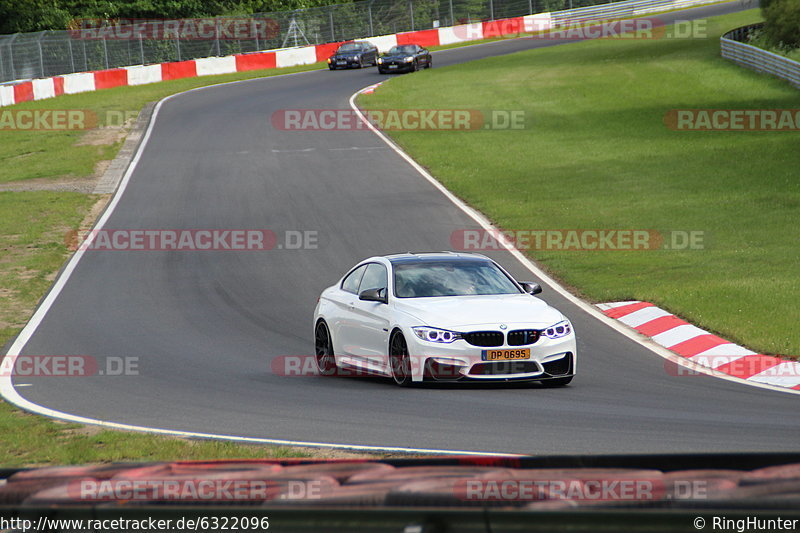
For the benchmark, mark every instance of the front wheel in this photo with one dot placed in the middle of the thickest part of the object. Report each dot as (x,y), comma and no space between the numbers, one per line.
(323,348)
(399,360)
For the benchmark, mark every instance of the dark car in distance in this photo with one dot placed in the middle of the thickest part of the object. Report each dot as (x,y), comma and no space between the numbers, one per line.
(354,54)
(404,58)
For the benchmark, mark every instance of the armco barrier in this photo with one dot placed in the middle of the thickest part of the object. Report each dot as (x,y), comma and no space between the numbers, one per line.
(758,59)
(619,10)
(143,74)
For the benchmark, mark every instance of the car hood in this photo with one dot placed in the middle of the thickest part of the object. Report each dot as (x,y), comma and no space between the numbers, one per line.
(347,54)
(459,312)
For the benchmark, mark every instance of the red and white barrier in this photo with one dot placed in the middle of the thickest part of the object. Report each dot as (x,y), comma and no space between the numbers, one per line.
(140,75)
(296,56)
(210,66)
(143,74)
(44,89)
(79,82)
(6,95)
(383,42)
(704,348)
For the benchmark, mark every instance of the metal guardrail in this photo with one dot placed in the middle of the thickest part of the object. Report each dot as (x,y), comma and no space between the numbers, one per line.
(53,53)
(734,47)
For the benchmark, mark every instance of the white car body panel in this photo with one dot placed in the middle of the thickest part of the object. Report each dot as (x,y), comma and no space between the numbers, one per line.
(361,330)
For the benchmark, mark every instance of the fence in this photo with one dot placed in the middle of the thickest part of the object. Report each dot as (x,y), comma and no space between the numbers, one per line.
(734,47)
(88,47)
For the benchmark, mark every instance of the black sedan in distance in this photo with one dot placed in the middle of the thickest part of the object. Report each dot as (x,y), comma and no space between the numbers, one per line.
(354,54)
(404,58)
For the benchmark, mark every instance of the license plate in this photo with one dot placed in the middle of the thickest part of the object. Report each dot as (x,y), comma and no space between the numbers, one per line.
(506,355)
(392,66)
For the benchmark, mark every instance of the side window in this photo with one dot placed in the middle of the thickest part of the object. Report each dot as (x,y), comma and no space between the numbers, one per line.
(374,278)
(350,283)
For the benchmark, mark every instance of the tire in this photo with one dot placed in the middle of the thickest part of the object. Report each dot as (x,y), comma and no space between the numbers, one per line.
(429,64)
(415,67)
(331,67)
(399,361)
(323,350)
(557,382)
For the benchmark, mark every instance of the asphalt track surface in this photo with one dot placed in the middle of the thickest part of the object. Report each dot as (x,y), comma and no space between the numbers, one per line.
(206,325)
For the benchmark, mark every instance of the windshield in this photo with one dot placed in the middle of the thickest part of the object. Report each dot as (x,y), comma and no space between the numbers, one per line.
(450,278)
(350,47)
(404,49)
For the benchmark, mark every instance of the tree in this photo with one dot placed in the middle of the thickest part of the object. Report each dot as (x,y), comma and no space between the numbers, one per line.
(782,23)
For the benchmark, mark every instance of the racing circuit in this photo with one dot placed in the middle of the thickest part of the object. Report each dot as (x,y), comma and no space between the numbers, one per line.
(207,325)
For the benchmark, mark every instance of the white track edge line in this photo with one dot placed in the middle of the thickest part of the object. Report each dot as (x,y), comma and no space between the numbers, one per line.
(10,394)
(589,308)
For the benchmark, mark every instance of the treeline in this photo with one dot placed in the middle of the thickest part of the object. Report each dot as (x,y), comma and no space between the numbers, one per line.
(37,15)
(782,23)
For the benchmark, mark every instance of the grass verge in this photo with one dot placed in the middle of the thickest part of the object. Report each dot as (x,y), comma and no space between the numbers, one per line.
(596,154)
(32,250)
(31,440)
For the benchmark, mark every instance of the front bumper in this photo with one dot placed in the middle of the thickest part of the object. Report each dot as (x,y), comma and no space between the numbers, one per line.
(386,68)
(459,360)
(345,62)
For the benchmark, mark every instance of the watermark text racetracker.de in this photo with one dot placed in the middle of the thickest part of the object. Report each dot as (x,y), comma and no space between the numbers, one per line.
(49,120)
(733,119)
(67,366)
(580,488)
(190,29)
(586,29)
(598,239)
(191,240)
(400,119)
(198,490)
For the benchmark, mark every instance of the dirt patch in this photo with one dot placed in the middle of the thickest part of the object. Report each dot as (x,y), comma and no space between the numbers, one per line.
(84,185)
(104,136)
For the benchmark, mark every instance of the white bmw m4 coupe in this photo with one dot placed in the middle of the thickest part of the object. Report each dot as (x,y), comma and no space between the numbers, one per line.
(441,316)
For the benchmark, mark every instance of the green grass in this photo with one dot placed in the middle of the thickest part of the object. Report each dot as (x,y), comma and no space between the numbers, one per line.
(50,154)
(32,230)
(595,154)
(32,250)
(27,440)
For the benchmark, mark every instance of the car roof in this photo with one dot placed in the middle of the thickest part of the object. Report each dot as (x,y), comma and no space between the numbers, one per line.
(410,257)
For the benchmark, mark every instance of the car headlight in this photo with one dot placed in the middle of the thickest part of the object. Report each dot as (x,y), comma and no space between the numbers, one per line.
(380,61)
(329,60)
(562,329)
(435,334)
(408,59)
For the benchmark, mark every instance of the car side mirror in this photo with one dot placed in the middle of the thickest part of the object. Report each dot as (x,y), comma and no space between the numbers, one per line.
(531,287)
(374,295)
